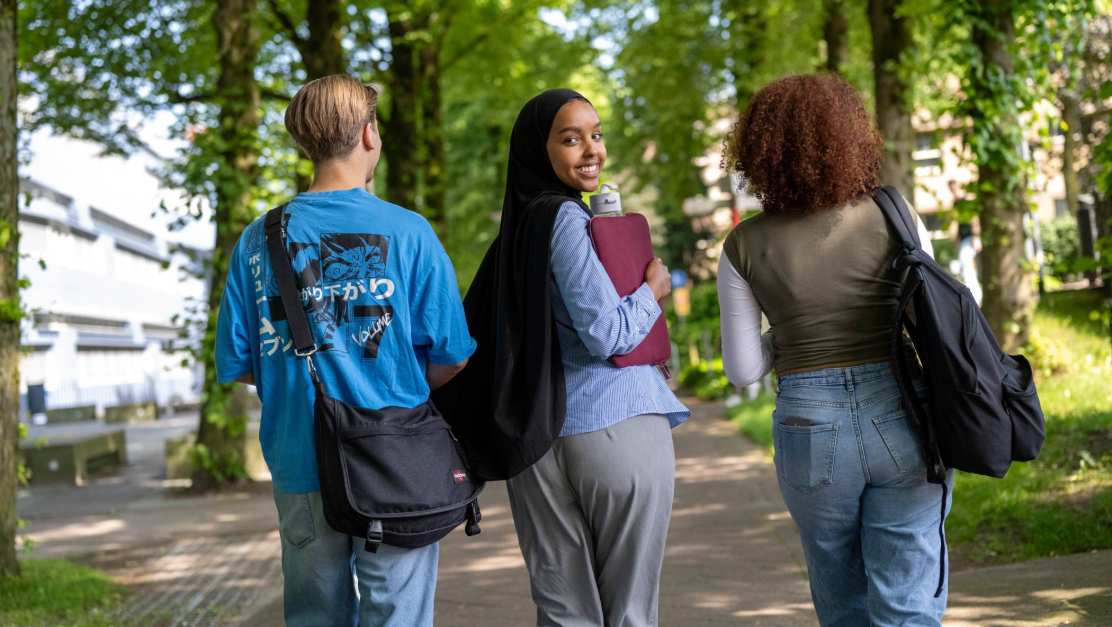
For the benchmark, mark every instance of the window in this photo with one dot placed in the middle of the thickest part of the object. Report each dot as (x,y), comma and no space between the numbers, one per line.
(927,140)
(933,161)
(928,154)
(134,268)
(71,251)
(1061,208)
(109,367)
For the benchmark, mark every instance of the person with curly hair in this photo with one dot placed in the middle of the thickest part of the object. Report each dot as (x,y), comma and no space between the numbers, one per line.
(816,263)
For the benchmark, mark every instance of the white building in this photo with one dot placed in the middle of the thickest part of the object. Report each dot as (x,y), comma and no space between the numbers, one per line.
(103,327)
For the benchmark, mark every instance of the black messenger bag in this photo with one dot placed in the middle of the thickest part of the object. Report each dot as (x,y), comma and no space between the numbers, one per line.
(394,475)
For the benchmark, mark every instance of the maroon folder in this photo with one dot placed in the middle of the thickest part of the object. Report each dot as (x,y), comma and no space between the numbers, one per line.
(625,248)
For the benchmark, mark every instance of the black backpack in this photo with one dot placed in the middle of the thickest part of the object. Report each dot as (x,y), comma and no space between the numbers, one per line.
(980,411)
(393,475)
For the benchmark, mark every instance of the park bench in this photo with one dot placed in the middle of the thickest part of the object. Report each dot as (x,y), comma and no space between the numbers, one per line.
(71,455)
(68,415)
(131,412)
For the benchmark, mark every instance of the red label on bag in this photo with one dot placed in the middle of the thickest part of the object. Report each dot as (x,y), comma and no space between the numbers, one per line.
(459,475)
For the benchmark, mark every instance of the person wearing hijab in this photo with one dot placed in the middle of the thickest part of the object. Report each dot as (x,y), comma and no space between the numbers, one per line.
(586,446)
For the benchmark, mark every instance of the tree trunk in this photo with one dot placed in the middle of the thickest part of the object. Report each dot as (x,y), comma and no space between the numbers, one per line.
(747,38)
(1071,116)
(1102,214)
(835,32)
(9,290)
(1009,297)
(325,53)
(435,208)
(401,145)
(1072,138)
(891,38)
(220,436)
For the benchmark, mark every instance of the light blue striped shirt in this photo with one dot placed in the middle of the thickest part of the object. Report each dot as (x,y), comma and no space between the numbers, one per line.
(594,323)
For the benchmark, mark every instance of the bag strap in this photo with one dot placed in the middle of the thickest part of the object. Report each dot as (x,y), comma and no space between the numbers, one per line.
(898,214)
(303,343)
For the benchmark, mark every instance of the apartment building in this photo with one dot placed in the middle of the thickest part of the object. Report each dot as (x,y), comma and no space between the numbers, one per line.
(104,302)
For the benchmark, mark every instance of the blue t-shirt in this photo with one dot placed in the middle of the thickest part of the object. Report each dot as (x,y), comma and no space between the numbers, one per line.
(382,302)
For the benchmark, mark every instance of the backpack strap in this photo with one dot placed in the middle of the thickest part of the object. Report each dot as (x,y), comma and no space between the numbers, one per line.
(303,343)
(898,214)
(915,408)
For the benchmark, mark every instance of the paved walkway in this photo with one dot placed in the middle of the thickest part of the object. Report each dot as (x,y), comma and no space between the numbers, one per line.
(733,554)
(185,560)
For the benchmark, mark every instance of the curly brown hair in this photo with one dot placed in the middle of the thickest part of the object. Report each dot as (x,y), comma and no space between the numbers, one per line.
(805,143)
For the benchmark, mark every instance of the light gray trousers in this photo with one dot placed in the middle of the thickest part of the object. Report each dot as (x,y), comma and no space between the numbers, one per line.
(592,518)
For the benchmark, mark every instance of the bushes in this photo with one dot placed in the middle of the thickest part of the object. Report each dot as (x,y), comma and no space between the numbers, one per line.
(945,251)
(706,380)
(1062,248)
(701,328)
(754,419)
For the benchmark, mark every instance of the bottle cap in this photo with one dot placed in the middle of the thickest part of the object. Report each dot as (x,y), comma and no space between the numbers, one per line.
(607,202)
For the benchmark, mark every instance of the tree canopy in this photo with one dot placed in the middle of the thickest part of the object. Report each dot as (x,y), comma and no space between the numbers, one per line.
(668,78)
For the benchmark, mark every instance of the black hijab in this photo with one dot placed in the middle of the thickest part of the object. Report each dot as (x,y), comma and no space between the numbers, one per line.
(507,406)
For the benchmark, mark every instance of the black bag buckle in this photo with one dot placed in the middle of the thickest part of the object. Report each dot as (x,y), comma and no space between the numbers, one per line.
(904,259)
(308,355)
(374,536)
(473,518)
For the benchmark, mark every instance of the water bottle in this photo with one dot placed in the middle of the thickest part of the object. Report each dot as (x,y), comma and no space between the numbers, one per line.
(607,202)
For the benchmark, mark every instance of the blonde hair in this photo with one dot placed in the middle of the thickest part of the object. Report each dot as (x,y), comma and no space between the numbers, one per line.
(327,115)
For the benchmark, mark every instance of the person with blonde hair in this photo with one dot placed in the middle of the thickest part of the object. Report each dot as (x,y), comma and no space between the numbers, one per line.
(381,299)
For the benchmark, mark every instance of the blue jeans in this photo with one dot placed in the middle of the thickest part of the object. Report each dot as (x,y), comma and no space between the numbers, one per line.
(392,588)
(851,471)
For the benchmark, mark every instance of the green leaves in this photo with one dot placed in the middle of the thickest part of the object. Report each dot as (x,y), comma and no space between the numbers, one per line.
(1004,65)
(11,310)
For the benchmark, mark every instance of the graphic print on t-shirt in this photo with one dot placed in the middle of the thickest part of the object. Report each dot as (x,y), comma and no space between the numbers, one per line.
(345,256)
(374,320)
(306,265)
(339,277)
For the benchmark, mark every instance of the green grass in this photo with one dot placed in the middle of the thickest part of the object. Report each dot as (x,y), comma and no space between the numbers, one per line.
(754,419)
(58,593)
(1062,502)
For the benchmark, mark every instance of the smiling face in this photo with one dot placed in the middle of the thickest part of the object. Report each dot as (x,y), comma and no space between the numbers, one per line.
(575,146)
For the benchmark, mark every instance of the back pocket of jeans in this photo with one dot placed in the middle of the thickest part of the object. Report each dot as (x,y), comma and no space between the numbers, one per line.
(806,455)
(901,441)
